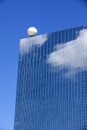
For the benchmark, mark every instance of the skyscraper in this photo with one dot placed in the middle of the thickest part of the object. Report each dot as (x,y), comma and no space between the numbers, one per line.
(52,81)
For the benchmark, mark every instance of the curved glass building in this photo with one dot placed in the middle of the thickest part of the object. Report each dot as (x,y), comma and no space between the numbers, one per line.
(52,81)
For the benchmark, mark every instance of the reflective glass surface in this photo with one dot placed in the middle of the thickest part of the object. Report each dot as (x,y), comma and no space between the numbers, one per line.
(52,81)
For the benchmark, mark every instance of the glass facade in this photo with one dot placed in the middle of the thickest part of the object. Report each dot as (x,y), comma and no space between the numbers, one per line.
(52,81)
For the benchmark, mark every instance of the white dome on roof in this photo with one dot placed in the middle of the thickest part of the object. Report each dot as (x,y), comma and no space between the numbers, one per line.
(32,31)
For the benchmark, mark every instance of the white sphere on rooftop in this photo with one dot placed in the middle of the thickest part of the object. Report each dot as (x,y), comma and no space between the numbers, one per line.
(32,31)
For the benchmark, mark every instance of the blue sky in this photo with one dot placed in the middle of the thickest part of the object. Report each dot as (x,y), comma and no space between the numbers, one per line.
(15,17)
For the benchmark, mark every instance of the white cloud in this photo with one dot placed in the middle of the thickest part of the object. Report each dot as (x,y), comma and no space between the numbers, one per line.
(72,54)
(27,43)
